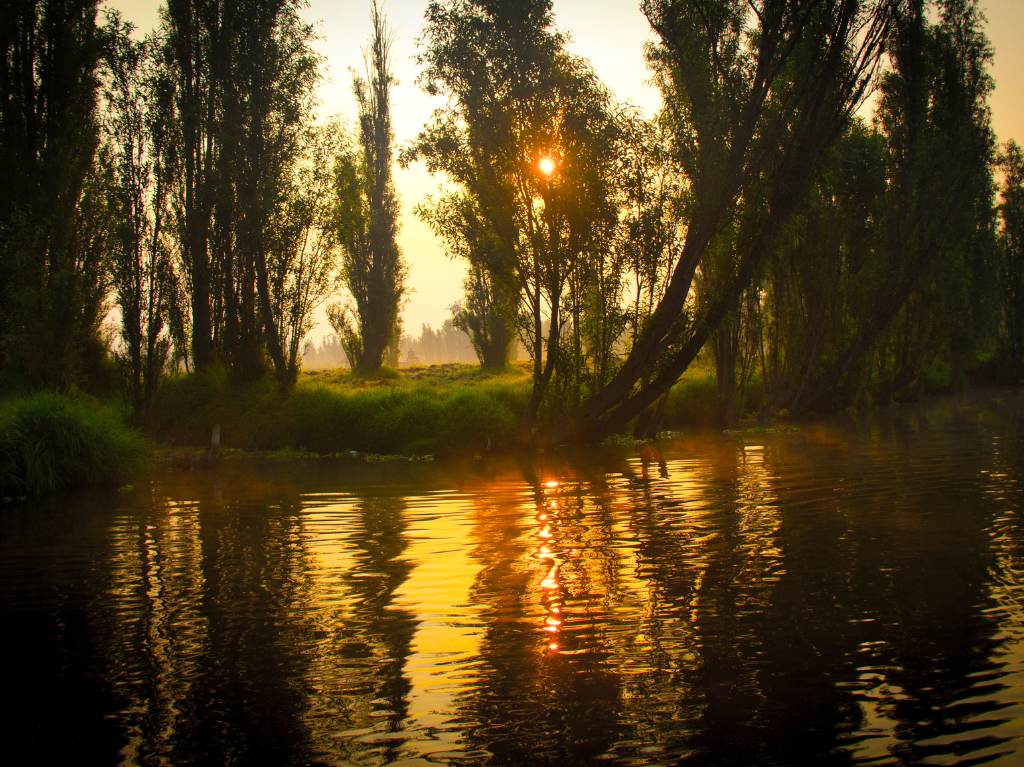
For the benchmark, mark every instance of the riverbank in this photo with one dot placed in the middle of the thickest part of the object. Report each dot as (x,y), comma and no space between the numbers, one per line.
(417,411)
(51,443)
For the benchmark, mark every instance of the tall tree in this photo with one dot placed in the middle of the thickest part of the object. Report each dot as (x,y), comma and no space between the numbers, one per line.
(528,137)
(302,245)
(937,231)
(493,63)
(273,79)
(1011,212)
(192,42)
(756,92)
(243,77)
(142,277)
(373,270)
(51,232)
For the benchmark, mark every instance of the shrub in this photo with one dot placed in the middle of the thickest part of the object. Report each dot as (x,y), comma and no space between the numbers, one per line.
(49,442)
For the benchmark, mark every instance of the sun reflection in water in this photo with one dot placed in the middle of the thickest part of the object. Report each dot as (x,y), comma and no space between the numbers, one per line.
(550,586)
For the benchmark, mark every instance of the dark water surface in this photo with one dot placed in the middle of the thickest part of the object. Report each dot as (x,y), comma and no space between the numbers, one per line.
(848,594)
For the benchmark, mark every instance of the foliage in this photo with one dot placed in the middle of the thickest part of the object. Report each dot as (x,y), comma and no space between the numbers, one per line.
(529,138)
(304,244)
(755,93)
(366,219)
(328,414)
(901,254)
(141,271)
(50,442)
(1012,261)
(53,223)
(239,104)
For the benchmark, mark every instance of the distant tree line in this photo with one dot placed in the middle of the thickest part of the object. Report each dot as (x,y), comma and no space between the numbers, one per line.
(433,346)
(814,256)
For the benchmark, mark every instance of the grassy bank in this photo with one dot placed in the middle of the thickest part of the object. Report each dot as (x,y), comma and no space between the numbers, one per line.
(438,410)
(49,442)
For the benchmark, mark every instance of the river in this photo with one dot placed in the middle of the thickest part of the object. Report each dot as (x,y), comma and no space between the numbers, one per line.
(849,593)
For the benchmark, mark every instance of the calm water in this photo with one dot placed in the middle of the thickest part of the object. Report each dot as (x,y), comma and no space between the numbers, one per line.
(848,594)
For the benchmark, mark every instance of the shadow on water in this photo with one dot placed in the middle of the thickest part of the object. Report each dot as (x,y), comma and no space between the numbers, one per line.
(848,594)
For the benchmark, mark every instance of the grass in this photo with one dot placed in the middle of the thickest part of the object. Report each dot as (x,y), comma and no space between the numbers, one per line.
(444,409)
(50,442)
(431,410)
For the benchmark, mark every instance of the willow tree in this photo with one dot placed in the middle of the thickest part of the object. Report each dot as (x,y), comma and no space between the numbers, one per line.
(372,268)
(493,64)
(755,93)
(937,232)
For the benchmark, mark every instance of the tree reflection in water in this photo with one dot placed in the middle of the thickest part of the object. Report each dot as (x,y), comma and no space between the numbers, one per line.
(850,594)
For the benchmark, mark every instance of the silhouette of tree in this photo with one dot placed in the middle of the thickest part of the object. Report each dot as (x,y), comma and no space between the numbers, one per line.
(755,93)
(528,137)
(1012,278)
(142,275)
(937,232)
(243,81)
(52,218)
(373,270)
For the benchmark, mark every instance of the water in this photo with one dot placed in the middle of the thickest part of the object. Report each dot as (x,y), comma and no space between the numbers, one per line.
(848,594)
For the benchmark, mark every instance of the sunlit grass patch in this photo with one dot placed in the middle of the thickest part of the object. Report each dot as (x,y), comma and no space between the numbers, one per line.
(429,411)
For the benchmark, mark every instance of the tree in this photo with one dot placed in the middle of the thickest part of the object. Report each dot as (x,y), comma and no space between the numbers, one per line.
(242,78)
(826,269)
(493,63)
(302,245)
(135,136)
(488,309)
(192,42)
(755,93)
(373,270)
(528,138)
(937,233)
(52,220)
(1012,272)
(272,93)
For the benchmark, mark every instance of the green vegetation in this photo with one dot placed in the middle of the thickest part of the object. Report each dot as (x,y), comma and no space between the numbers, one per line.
(50,442)
(434,410)
(756,249)
(442,410)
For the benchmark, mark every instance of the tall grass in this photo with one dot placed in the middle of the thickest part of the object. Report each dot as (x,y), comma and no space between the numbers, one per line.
(49,442)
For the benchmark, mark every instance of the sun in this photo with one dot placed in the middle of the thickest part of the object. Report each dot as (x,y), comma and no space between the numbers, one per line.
(546,165)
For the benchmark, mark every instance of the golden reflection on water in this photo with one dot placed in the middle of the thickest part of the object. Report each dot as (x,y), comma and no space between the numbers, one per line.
(750,591)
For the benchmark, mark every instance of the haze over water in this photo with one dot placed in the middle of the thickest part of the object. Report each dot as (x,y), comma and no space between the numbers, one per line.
(850,593)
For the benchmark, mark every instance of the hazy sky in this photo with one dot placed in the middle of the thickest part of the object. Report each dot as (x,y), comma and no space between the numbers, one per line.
(610,33)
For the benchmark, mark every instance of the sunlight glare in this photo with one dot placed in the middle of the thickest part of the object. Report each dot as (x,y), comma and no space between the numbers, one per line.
(546,165)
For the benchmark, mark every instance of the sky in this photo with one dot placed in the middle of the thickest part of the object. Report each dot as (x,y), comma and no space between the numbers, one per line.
(609,33)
